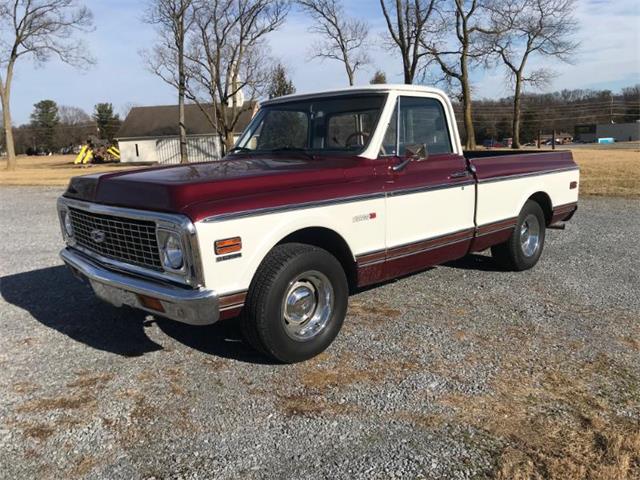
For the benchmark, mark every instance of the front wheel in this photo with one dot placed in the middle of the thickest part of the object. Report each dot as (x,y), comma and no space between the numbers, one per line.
(296,303)
(523,249)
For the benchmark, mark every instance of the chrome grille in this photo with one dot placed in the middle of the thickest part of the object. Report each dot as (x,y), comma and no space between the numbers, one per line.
(123,239)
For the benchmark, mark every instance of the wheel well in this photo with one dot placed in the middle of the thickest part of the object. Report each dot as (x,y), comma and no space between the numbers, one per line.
(330,241)
(544,201)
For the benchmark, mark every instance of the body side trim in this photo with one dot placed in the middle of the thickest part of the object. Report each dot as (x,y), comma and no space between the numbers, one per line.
(371,196)
(232,300)
(428,188)
(502,178)
(290,207)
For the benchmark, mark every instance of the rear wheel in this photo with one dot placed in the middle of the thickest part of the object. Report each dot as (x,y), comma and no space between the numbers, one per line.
(296,303)
(523,249)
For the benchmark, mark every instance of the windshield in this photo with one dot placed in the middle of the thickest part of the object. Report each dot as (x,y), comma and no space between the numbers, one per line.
(316,125)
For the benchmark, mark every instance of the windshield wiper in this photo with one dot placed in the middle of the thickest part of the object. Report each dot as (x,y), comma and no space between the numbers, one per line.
(239,149)
(293,149)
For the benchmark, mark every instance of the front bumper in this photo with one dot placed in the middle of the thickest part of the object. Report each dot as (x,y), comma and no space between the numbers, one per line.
(191,306)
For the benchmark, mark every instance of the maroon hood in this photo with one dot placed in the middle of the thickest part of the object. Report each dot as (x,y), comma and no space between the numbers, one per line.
(180,189)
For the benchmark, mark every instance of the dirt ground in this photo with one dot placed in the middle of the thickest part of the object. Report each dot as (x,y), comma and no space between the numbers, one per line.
(612,172)
(462,372)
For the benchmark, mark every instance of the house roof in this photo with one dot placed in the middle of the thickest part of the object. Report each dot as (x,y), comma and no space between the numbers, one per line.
(162,121)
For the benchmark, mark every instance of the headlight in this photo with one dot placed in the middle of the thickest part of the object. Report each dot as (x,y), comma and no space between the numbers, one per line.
(171,251)
(68,226)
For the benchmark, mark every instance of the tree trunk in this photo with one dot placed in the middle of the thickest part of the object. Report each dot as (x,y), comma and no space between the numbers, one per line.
(229,141)
(184,158)
(8,130)
(466,102)
(516,112)
(349,73)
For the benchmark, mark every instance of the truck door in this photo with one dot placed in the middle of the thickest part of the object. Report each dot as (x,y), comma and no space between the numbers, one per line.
(430,192)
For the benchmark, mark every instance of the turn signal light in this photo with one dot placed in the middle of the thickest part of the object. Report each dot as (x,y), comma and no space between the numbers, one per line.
(151,303)
(228,245)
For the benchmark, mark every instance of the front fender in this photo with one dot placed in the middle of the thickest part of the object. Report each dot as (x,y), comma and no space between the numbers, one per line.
(260,233)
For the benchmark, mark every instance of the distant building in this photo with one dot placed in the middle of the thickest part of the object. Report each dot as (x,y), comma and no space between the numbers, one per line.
(621,132)
(150,134)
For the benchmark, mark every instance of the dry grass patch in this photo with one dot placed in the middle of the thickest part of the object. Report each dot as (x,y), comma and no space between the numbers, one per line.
(561,425)
(89,380)
(54,170)
(318,378)
(612,173)
(58,403)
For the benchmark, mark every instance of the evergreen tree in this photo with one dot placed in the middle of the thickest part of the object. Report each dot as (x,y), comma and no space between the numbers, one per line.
(44,122)
(378,78)
(107,121)
(280,84)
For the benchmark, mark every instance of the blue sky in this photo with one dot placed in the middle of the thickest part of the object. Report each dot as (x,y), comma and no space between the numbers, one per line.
(609,57)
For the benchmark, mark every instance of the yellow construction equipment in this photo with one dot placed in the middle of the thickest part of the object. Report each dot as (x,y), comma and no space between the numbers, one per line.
(114,152)
(84,156)
(97,151)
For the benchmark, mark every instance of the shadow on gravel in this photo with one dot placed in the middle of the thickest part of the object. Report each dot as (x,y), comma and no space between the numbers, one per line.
(475,262)
(59,301)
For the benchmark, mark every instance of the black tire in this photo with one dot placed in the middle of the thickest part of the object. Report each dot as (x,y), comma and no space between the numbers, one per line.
(263,320)
(513,254)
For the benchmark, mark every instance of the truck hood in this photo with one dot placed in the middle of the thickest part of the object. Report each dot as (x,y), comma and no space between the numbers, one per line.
(178,189)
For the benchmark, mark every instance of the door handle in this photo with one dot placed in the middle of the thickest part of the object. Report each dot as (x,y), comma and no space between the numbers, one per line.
(464,173)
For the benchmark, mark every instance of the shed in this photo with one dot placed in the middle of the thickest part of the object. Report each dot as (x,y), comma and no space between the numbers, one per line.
(150,134)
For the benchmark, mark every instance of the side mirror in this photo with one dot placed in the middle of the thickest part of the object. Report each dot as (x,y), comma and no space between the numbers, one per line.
(412,153)
(416,152)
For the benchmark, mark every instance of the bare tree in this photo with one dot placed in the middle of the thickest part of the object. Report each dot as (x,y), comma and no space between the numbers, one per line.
(408,23)
(173,19)
(458,52)
(343,38)
(41,29)
(228,59)
(524,28)
(75,126)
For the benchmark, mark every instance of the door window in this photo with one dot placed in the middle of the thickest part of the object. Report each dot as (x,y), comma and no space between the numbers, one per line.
(422,121)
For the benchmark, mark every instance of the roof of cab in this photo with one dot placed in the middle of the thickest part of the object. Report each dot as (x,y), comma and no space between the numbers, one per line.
(385,87)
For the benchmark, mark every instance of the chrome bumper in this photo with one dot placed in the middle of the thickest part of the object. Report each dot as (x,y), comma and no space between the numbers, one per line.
(195,307)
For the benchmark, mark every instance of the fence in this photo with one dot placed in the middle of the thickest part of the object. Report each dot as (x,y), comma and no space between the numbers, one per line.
(199,149)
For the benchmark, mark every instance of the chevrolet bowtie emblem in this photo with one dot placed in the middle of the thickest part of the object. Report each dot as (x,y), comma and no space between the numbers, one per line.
(98,236)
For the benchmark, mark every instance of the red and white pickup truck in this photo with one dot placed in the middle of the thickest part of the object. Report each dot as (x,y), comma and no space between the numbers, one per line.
(323,194)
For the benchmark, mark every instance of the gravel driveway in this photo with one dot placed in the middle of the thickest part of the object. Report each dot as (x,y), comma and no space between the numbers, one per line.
(457,372)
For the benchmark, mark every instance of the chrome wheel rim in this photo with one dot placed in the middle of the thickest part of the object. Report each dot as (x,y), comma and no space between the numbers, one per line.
(307,305)
(530,236)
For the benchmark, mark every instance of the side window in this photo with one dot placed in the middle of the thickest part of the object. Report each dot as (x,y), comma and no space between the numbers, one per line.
(350,129)
(422,121)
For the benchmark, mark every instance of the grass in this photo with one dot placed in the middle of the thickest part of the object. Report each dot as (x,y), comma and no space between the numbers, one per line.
(605,172)
(611,173)
(54,170)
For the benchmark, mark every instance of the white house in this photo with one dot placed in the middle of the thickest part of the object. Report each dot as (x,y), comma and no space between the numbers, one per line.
(150,134)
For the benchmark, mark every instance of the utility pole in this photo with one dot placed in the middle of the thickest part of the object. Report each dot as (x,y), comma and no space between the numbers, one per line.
(539,139)
(611,109)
